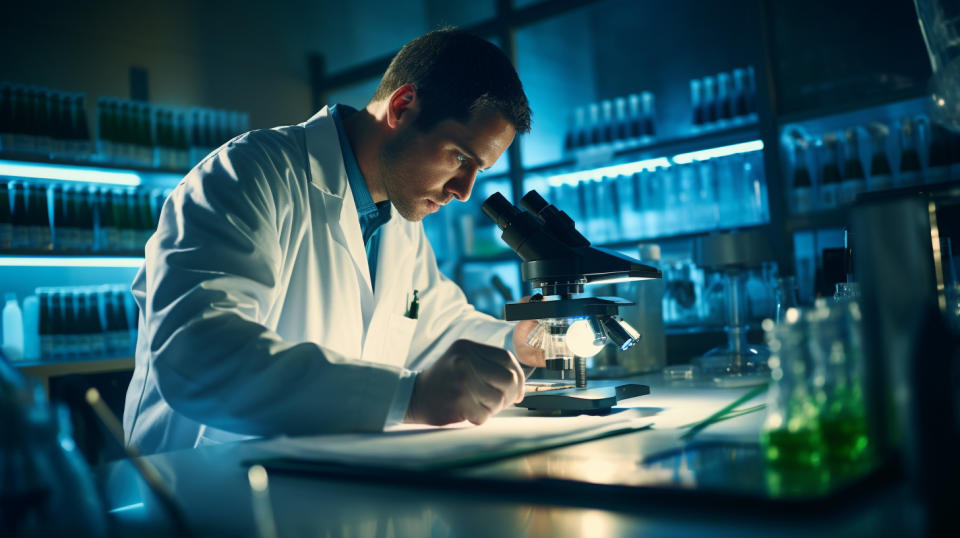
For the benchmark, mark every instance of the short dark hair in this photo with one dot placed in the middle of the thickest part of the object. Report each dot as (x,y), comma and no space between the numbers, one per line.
(457,73)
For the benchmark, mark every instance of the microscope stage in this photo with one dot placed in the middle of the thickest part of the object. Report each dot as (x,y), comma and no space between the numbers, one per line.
(585,400)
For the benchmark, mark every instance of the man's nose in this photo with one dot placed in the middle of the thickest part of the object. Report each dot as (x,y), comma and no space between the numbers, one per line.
(461,186)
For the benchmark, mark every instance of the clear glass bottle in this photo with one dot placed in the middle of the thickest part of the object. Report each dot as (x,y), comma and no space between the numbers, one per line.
(6,219)
(636,116)
(654,203)
(686,199)
(724,97)
(595,127)
(801,192)
(881,175)
(45,325)
(728,199)
(830,176)
(709,100)
(80,129)
(909,173)
(696,102)
(622,129)
(649,114)
(854,179)
(608,128)
(753,188)
(707,191)
(786,296)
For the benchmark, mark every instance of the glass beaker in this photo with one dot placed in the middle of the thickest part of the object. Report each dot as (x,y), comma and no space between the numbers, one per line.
(835,351)
(792,440)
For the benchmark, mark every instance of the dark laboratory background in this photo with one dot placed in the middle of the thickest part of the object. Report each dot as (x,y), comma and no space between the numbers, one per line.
(657,124)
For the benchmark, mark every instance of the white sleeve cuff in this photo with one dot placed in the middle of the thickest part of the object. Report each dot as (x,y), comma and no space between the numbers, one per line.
(401,398)
(508,341)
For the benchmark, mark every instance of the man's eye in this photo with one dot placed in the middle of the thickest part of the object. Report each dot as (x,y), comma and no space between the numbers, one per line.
(461,158)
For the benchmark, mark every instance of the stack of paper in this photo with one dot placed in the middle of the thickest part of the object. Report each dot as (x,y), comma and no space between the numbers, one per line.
(420,448)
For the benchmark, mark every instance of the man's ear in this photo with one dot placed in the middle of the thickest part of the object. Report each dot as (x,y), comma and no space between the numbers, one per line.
(403,105)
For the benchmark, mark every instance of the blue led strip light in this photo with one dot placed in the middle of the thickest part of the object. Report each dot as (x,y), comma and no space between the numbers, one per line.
(626,169)
(723,151)
(64,172)
(69,261)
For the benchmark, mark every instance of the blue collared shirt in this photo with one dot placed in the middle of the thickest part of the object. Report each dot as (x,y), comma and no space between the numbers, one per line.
(372,215)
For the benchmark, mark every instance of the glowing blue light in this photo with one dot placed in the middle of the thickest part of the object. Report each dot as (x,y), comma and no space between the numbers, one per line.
(133,506)
(723,151)
(68,261)
(69,173)
(618,279)
(625,169)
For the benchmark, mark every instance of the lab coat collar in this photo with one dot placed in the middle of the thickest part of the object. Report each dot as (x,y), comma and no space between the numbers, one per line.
(329,176)
(327,172)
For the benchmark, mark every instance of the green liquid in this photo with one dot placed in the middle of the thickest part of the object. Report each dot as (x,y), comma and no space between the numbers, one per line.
(801,448)
(794,462)
(843,424)
(844,436)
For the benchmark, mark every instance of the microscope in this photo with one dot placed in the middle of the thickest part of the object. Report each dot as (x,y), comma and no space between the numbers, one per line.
(559,261)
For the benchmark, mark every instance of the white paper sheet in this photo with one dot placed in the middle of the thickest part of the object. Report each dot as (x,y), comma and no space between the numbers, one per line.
(419,447)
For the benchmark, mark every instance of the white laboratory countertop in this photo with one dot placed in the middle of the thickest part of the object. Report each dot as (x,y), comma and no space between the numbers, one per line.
(549,493)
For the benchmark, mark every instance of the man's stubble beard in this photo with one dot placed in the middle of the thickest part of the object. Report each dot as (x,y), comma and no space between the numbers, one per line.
(395,173)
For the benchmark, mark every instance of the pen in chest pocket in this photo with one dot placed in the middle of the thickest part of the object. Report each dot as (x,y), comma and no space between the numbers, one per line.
(413,309)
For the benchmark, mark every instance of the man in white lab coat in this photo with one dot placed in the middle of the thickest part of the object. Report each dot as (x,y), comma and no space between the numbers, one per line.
(277,292)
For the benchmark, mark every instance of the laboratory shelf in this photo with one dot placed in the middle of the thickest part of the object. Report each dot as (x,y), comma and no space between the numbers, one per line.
(853,106)
(64,259)
(33,158)
(7,253)
(625,243)
(817,220)
(709,138)
(508,255)
(838,217)
(45,369)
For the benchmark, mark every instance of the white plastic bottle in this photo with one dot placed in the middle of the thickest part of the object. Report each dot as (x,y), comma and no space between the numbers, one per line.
(12,328)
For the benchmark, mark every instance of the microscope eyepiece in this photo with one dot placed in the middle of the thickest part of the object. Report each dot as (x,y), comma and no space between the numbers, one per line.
(500,211)
(559,223)
(533,202)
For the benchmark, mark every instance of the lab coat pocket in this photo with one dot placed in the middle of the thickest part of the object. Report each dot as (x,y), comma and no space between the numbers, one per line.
(399,336)
(388,339)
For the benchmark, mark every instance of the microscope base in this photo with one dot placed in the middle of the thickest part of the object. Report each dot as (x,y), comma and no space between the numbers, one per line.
(585,400)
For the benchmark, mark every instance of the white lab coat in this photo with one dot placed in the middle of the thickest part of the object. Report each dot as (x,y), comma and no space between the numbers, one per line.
(257,316)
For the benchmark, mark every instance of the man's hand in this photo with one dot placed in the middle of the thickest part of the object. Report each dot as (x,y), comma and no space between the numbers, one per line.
(470,381)
(527,354)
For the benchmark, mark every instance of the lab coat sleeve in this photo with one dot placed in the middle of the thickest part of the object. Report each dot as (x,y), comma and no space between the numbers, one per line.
(445,314)
(212,273)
